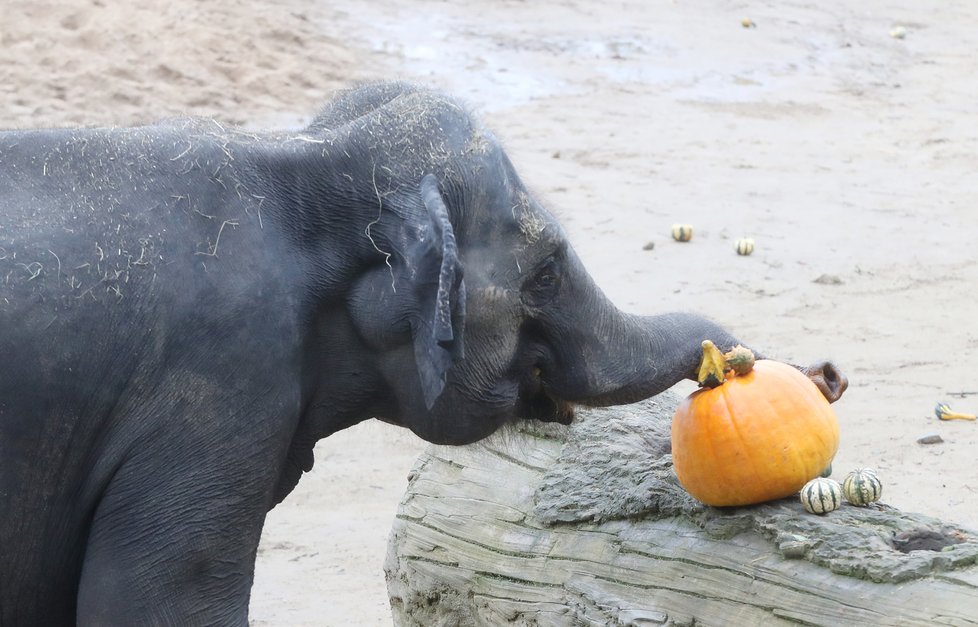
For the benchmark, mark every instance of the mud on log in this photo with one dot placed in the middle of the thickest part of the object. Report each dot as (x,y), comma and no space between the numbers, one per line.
(547,525)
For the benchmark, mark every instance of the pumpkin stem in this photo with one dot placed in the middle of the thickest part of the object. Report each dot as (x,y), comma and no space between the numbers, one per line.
(740,359)
(712,366)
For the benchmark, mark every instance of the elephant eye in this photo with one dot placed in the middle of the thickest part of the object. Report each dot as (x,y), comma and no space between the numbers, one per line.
(546,280)
(543,286)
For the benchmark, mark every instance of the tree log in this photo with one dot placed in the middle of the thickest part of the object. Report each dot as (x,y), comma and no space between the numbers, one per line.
(587,525)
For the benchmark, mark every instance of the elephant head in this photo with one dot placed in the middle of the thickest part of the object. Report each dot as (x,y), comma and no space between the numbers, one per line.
(476,308)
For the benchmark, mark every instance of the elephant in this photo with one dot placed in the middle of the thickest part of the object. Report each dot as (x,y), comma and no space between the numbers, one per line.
(186,308)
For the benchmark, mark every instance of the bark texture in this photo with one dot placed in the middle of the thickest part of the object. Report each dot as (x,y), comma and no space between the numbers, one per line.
(587,525)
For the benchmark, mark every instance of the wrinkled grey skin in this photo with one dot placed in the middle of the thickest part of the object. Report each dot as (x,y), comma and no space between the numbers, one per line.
(185,309)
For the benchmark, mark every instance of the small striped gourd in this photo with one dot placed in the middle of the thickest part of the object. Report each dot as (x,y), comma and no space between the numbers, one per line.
(862,487)
(821,495)
(682,232)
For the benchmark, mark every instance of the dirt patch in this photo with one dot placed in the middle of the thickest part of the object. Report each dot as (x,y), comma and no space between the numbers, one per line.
(96,63)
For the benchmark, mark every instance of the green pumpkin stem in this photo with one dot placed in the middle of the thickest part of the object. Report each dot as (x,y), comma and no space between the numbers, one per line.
(740,359)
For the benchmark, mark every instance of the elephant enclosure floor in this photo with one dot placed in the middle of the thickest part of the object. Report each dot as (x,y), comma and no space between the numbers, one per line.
(847,154)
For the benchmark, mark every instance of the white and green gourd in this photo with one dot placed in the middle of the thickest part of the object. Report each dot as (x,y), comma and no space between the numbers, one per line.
(744,246)
(862,487)
(821,495)
(682,232)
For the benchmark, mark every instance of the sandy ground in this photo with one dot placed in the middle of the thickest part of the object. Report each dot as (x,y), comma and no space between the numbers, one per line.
(847,154)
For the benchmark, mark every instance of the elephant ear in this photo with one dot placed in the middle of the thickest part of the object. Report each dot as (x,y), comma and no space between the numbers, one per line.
(439,327)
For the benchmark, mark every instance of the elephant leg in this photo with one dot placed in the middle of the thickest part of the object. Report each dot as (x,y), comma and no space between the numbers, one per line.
(174,549)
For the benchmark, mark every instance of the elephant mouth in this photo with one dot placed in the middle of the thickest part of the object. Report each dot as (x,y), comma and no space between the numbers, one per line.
(538,403)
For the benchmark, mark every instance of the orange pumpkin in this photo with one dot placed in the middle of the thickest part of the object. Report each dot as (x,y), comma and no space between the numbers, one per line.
(755,437)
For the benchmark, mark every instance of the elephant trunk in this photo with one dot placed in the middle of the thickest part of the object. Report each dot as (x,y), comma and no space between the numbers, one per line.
(628,358)
(598,355)
(631,358)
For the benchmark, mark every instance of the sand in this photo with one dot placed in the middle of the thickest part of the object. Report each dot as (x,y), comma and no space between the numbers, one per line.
(848,155)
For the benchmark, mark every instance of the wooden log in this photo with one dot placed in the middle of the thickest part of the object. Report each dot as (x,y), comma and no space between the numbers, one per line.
(587,525)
